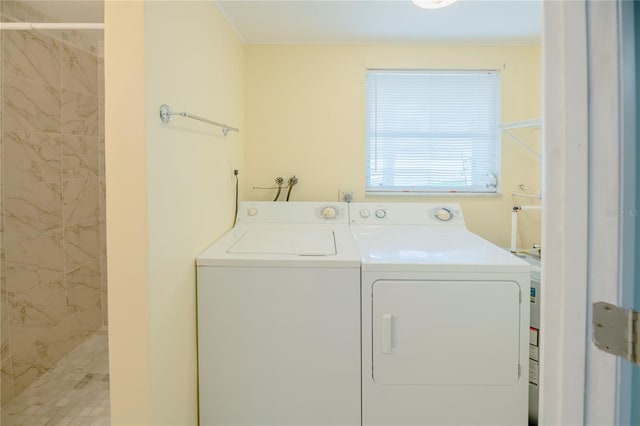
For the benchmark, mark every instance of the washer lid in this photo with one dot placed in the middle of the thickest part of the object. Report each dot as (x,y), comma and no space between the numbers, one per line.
(300,242)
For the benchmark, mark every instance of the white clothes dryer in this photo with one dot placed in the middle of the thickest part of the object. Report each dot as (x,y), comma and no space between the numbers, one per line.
(279,318)
(445,320)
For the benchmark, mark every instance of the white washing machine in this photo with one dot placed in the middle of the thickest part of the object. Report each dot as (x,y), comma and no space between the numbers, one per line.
(445,320)
(279,318)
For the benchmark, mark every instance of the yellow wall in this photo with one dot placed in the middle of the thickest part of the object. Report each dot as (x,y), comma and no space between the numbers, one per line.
(171,194)
(194,62)
(300,110)
(305,115)
(127,234)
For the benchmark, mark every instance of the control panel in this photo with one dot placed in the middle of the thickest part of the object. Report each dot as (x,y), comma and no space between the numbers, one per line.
(292,212)
(405,214)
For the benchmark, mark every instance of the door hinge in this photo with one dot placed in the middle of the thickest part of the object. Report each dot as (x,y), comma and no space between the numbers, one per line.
(616,330)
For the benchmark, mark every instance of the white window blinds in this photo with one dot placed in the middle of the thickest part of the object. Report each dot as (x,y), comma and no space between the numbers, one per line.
(432,131)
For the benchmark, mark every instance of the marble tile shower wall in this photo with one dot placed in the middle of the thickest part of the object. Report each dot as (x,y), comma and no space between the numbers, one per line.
(53,273)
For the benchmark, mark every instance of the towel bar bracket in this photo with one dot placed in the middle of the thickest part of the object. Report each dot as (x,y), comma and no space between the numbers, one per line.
(165,113)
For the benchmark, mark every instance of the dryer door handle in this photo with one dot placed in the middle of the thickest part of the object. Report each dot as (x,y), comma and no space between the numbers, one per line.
(386,333)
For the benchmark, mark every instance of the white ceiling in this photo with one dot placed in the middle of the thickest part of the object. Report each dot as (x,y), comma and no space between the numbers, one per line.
(353,21)
(383,21)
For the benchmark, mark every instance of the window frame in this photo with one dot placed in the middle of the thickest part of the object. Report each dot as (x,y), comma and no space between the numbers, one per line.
(476,190)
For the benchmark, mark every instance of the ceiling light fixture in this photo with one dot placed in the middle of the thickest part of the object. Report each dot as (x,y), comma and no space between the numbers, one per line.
(432,4)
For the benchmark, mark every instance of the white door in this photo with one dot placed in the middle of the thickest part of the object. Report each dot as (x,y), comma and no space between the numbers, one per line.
(590,210)
(446,332)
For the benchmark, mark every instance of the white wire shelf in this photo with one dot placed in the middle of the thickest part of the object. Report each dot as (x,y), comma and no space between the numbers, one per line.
(534,122)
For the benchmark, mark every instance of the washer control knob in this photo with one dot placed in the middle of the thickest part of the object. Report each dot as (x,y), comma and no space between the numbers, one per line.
(364,213)
(329,213)
(444,214)
(381,213)
(252,211)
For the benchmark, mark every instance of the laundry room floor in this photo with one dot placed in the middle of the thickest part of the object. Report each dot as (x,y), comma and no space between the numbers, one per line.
(74,392)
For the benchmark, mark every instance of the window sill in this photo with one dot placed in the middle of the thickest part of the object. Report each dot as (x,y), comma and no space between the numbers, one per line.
(430,194)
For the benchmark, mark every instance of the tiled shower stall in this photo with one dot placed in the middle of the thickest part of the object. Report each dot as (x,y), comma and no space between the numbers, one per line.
(52,227)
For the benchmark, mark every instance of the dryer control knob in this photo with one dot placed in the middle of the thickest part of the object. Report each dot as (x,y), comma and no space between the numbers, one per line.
(381,213)
(329,213)
(364,213)
(252,211)
(444,214)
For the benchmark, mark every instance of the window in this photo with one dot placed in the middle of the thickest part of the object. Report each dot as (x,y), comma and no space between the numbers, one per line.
(432,131)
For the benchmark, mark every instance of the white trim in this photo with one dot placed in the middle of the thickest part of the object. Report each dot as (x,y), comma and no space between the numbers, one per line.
(565,179)
(604,194)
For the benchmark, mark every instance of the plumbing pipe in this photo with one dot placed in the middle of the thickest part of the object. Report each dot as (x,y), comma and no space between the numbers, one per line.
(529,207)
(514,223)
(514,229)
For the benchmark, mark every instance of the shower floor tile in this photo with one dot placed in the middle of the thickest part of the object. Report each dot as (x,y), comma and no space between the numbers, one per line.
(74,392)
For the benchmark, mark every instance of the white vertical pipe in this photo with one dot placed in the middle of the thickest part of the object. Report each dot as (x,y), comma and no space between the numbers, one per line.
(514,230)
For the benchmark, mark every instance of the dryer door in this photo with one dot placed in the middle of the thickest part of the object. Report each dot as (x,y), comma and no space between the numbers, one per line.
(446,332)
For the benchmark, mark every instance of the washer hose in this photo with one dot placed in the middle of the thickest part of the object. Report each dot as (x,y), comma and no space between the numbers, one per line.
(292,181)
(279,182)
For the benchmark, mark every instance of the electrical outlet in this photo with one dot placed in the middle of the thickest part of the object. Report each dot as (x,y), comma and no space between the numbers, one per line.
(345,196)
